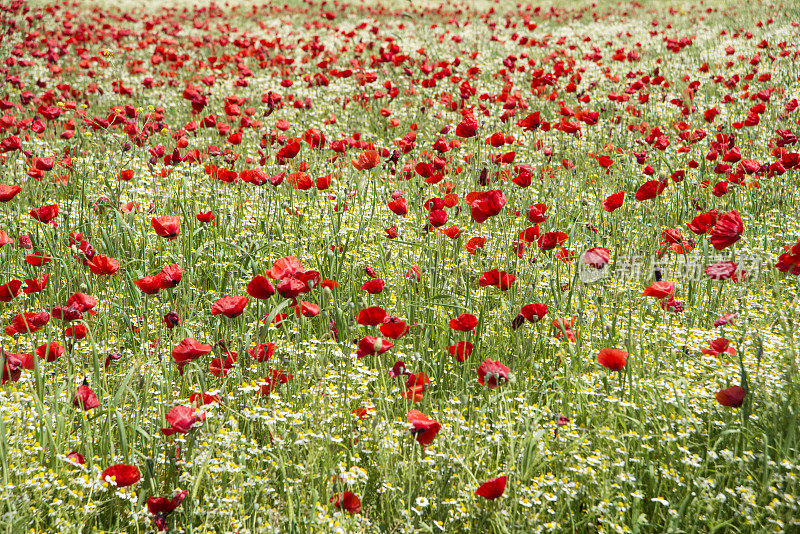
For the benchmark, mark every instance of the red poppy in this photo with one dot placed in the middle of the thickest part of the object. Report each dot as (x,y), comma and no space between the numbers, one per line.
(374,286)
(648,190)
(423,427)
(85,398)
(492,489)
(727,231)
(262,352)
(390,233)
(7,192)
(399,206)
(10,290)
(565,329)
(499,279)
(722,270)
(230,306)
(149,284)
(551,240)
(219,367)
(188,350)
(373,316)
(492,374)
(468,127)
(206,217)
(50,351)
(306,309)
(201,399)
(275,378)
(531,312)
(466,322)
(704,222)
(486,204)
(102,265)
(181,419)
(393,327)
(613,359)
(260,288)
(34,285)
(597,257)
(28,322)
(4,239)
(726,318)
(121,475)
(167,226)
(536,213)
(614,201)
(368,159)
(171,276)
(45,214)
(474,244)
(659,290)
(347,501)
(76,458)
(161,507)
(37,259)
(460,351)
(77,331)
(125,175)
(369,345)
(789,261)
(718,346)
(732,397)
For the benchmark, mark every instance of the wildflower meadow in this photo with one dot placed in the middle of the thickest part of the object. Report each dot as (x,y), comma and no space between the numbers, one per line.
(400,266)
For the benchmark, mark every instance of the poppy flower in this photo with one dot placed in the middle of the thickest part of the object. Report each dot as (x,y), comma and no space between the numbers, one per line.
(219,367)
(393,327)
(565,329)
(423,427)
(390,233)
(536,213)
(460,351)
(530,312)
(161,507)
(613,359)
(275,378)
(368,159)
(347,501)
(492,374)
(262,352)
(50,351)
(369,345)
(466,322)
(551,240)
(28,322)
(648,190)
(659,290)
(722,270)
(789,261)
(230,306)
(45,214)
(704,222)
(260,288)
(149,284)
(10,290)
(125,175)
(121,475)
(102,265)
(77,331)
(732,397)
(474,244)
(718,346)
(468,127)
(188,350)
(596,257)
(167,226)
(206,217)
(726,318)
(306,309)
(727,231)
(181,419)
(7,192)
(285,267)
(614,201)
(171,276)
(85,398)
(76,458)
(492,489)
(34,285)
(487,204)
(4,239)
(201,399)
(399,206)
(373,316)
(374,286)
(500,279)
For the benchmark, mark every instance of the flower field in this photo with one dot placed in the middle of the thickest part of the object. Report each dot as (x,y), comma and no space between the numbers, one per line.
(400,267)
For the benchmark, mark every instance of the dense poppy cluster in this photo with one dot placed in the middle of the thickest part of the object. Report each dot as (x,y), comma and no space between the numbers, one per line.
(394,197)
